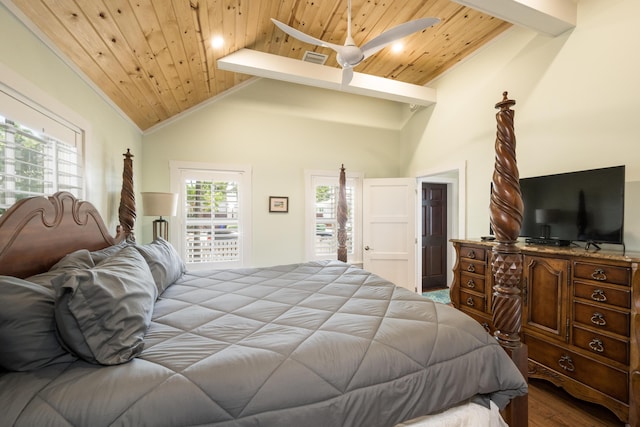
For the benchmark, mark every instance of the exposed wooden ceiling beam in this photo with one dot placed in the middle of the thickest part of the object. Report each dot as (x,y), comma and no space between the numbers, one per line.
(550,17)
(277,67)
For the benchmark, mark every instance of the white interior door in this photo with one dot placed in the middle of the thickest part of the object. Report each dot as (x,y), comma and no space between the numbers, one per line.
(389,229)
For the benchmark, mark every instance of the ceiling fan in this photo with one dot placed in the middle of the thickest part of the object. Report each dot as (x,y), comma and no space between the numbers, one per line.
(350,55)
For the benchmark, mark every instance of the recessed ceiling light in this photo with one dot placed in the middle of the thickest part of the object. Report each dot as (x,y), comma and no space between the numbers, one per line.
(217,42)
(397,47)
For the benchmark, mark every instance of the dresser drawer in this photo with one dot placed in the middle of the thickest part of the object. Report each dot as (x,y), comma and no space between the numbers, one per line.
(478,254)
(607,379)
(484,320)
(472,267)
(612,348)
(601,318)
(619,297)
(473,282)
(602,273)
(472,301)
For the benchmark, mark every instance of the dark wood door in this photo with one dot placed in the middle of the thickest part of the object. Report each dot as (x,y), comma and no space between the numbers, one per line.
(434,236)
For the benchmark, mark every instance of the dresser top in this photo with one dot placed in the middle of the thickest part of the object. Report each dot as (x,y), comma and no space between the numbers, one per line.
(572,250)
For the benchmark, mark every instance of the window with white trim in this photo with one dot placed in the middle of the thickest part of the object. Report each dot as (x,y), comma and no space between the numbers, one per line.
(214,216)
(321,213)
(40,153)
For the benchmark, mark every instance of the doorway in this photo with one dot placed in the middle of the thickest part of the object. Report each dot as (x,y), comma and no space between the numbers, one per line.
(454,178)
(434,236)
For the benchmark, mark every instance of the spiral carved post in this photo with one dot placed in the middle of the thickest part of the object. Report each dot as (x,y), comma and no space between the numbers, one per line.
(506,218)
(127,209)
(342,217)
(506,264)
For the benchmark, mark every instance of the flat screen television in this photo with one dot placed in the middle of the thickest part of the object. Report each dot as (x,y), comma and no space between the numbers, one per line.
(585,206)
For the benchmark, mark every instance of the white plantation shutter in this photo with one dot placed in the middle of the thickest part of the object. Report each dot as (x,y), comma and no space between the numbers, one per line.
(326,208)
(212,227)
(39,154)
(323,199)
(214,231)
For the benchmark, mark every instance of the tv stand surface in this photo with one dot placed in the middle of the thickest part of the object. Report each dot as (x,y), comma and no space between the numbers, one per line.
(547,241)
(594,244)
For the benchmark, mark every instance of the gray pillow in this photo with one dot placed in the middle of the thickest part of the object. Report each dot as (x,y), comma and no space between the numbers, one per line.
(165,263)
(102,313)
(27,326)
(102,254)
(78,259)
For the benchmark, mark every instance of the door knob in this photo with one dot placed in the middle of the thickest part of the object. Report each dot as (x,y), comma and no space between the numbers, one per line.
(366,248)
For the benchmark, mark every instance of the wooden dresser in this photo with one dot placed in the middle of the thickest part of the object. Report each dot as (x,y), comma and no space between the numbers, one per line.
(579,319)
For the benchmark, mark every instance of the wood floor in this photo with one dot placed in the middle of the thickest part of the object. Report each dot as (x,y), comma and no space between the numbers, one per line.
(550,406)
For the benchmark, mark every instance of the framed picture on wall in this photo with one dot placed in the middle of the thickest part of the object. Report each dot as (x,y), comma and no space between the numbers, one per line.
(278,204)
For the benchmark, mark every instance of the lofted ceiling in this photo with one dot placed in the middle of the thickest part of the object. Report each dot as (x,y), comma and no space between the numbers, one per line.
(154,59)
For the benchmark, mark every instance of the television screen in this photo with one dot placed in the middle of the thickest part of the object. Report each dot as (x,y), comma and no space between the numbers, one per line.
(576,206)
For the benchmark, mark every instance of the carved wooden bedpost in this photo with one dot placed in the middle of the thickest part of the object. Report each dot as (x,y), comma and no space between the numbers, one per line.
(342,217)
(506,264)
(506,219)
(127,209)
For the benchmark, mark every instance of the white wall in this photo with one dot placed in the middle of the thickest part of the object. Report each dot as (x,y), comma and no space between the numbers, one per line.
(577,108)
(279,129)
(29,66)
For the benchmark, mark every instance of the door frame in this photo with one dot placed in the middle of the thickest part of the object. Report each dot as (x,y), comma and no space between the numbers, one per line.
(455,176)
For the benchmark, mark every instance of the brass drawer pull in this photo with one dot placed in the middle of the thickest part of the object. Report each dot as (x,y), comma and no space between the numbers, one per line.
(470,302)
(471,284)
(471,254)
(566,363)
(598,274)
(598,295)
(598,319)
(471,268)
(596,345)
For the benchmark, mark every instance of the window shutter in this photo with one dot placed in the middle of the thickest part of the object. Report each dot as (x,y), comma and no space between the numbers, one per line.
(39,155)
(326,227)
(212,226)
(322,207)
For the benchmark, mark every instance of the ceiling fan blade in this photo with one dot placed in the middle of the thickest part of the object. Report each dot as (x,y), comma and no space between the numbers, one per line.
(347,75)
(304,37)
(397,32)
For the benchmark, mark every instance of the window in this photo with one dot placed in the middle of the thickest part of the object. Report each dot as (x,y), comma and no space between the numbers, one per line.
(322,223)
(40,153)
(214,219)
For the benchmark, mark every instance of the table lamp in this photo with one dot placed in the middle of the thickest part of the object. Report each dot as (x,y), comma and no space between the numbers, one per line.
(545,217)
(160,204)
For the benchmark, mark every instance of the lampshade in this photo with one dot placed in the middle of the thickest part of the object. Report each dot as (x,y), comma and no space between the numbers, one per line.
(159,204)
(547,216)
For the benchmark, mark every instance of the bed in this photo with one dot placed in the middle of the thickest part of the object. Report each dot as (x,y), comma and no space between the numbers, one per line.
(98,330)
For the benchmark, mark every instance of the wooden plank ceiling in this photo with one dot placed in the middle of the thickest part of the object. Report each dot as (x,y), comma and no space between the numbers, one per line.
(154,59)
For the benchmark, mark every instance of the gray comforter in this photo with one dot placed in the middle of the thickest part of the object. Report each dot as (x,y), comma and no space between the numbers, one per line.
(314,344)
